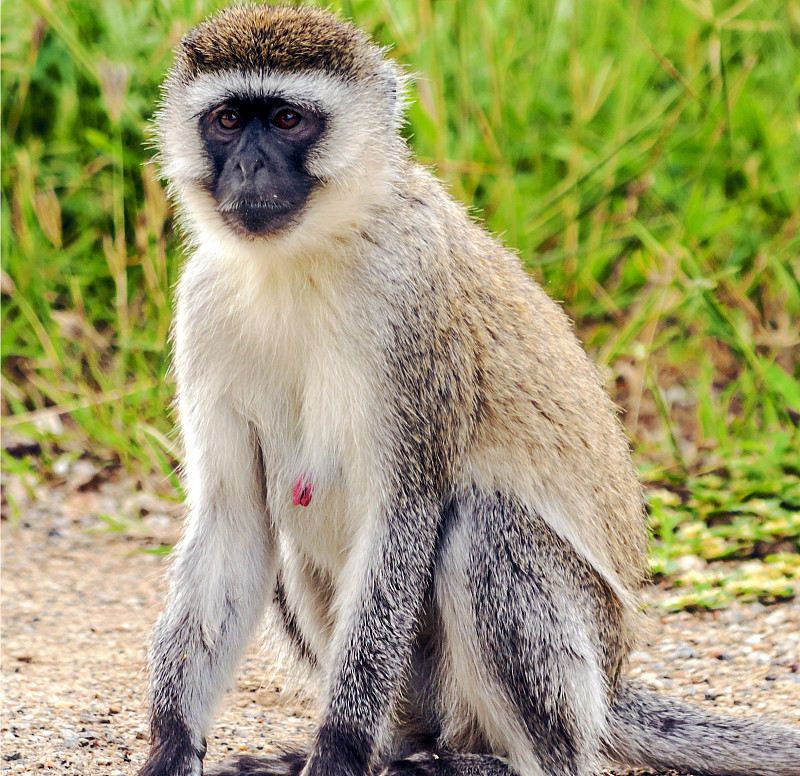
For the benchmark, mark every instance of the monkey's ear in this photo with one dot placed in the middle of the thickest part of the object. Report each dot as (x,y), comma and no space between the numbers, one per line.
(398,84)
(393,89)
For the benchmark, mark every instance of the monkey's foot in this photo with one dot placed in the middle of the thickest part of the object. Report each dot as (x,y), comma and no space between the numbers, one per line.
(285,764)
(448,764)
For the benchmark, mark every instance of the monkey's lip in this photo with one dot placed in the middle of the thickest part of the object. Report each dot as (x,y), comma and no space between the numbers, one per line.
(275,205)
(258,217)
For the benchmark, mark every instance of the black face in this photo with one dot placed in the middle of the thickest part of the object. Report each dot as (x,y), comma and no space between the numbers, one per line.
(259,150)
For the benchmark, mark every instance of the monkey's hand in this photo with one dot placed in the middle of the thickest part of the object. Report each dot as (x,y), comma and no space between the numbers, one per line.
(336,763)
(167,759)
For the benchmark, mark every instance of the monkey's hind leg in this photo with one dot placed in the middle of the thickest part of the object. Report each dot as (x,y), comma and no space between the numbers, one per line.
(521,659)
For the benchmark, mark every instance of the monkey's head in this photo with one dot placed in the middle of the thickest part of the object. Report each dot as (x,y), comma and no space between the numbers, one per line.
(268,111)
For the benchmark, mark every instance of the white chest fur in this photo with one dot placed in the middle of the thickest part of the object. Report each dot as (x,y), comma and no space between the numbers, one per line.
(290,358)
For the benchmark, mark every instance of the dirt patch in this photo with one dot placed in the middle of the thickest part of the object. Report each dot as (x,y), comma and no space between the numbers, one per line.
(79,601)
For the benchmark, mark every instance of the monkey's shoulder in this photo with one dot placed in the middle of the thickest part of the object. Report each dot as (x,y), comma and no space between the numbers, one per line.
(445,277)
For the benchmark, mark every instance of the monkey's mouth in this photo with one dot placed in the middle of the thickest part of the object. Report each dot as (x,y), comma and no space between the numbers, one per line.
(258,217)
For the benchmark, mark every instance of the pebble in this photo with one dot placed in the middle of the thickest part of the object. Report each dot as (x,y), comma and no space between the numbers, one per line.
(775,617)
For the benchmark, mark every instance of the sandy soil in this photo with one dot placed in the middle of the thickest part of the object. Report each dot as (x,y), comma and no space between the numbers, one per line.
(79,600)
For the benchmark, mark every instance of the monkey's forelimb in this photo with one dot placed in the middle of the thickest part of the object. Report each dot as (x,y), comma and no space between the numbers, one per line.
(381,607)
(654,731)
(220,582)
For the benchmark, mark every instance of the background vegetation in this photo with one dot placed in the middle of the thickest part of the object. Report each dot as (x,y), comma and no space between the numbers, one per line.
(643,158)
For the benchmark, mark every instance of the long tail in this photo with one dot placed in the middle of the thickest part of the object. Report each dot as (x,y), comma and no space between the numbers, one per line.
(654,731)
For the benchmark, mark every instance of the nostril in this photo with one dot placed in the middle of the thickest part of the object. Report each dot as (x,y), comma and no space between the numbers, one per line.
(249,166)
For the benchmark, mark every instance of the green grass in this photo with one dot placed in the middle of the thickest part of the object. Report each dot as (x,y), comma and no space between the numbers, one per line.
(643,158)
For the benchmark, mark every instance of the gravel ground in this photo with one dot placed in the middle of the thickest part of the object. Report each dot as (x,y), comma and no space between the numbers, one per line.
(79,601)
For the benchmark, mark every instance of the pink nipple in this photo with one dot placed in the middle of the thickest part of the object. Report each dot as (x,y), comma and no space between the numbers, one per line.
(303,490)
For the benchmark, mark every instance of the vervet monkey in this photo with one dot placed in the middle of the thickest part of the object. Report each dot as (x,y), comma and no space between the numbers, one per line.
(394,440)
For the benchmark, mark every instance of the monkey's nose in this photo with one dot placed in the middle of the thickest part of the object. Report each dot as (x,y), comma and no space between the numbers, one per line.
(249,164)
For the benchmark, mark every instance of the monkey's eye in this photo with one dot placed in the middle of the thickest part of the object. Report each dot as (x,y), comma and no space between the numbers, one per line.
(286,118)
(229,119)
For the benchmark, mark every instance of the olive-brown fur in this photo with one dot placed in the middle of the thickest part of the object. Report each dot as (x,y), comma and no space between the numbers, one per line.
(259,38)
